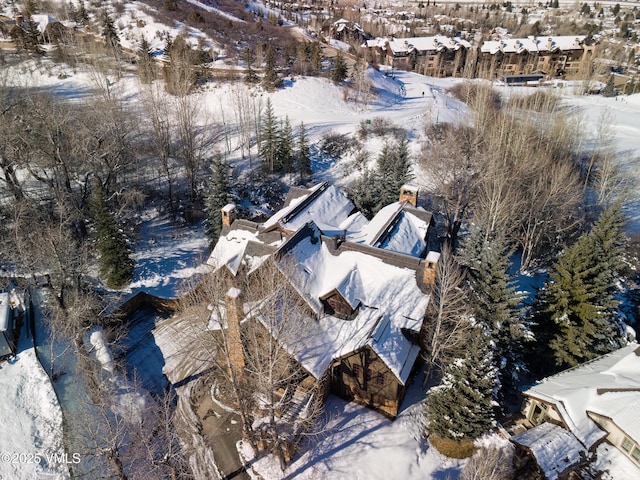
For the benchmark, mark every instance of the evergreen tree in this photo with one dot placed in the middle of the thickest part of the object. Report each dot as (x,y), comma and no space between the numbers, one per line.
(269,138)
(271,80)
(216,197)
(462,406)
(302,156)
(340,69)
(83,15)
(116,265)
(31,37)
(365,193)
(609,89)
(109,33)
(145,62)
(496,306)
(285,147)
(316,58)
(380,187)
(576,311)
(249,60)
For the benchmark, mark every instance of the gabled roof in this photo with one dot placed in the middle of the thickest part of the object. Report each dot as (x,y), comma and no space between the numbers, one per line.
(398,227)
(389,299)
(608,385)
(242,244)
(533,44)
(554,448)
(437,43)
(324,204)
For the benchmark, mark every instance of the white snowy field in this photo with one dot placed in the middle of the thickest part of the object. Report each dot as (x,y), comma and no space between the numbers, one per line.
(364,444)
(31,444)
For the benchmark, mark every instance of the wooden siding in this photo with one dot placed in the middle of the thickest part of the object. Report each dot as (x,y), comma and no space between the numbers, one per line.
(364,378)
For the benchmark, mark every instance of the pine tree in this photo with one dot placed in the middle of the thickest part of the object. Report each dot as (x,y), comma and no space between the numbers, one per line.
(146,70)
(270,80)
(116,265)
(316,58)
(83,15)
(269,138)
(393,169)
(462,406)
(31,37)
(302,156)
(249,60)
(576,311)
(340,69)
(496,306)
(285,147)
(216,197)
(365,193)
(609,89)
(109,33)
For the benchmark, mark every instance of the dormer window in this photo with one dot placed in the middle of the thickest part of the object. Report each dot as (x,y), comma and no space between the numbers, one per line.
(335,305)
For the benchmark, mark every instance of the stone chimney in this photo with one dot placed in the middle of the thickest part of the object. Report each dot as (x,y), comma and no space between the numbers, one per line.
(229,214)
(409,193)
(430,268)
(235,312)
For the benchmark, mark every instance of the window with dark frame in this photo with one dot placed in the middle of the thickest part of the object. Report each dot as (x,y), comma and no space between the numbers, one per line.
(380,379)
(357,369)
(369,374)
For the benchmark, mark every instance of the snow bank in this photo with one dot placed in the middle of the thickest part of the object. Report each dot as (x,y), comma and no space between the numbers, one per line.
(31,421)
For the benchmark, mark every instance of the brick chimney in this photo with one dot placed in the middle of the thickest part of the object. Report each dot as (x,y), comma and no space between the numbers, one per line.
(430,268)
(229,214)
(235,313)
(409,193)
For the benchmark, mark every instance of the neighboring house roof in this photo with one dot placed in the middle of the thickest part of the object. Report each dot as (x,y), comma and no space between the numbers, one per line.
(608,385)
(554,448)
(533,44)
(389,300)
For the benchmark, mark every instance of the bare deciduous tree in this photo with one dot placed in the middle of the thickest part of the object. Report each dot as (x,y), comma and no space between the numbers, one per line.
(447,327)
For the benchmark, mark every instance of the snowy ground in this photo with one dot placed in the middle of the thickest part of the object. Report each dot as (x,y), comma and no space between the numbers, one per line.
(31,434)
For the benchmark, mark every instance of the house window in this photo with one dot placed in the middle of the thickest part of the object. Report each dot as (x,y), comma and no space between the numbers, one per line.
(635,454)
(380,379)
(538,414)
(357,370)
(627,444)
(369,374)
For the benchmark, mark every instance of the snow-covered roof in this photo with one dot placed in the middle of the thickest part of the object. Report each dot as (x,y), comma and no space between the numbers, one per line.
(398,227)
(403,46)
(554,448)
(325,205)
(240,246)
(533,44)
(42,21)
(4,311)
(608,385)
(389,300)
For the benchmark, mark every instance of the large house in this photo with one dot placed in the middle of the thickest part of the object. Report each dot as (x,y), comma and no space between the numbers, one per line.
(364,283)
(437,56)
(553,56)
(441,56)
(572,413)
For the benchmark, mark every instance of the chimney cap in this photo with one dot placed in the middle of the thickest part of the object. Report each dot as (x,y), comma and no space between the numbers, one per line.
(234,292)
(229,207)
